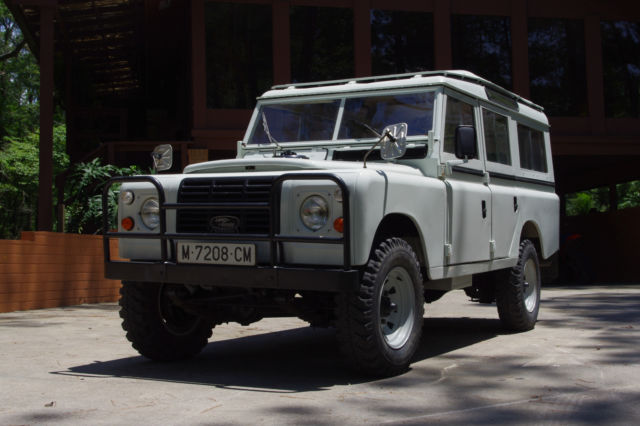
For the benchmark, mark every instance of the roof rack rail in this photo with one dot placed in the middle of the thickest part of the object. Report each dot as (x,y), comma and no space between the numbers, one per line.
(459,75)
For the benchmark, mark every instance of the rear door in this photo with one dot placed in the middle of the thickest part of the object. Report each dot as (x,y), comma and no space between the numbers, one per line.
(498,130)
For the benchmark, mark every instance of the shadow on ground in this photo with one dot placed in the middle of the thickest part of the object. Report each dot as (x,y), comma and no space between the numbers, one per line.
(296,360)
(307,359)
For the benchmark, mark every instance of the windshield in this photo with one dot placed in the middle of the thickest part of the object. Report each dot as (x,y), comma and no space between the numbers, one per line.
(363,117)
(377,112)
(296,122)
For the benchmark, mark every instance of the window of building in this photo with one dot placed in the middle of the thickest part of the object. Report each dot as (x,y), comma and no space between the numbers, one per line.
(628,194)
(496,137)
(321,43)
(532,150)
(621,68)
(401,41)
(458,113)
(595,200)
(482,45)
(239,53)
(557,66)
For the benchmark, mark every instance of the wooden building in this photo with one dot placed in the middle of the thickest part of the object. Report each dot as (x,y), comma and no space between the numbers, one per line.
(132,73)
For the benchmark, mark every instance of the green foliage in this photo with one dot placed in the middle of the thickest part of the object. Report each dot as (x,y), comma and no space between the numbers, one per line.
(19,81)
(597,199)
(628,194)
(19,173)
(83,210)
(590,201)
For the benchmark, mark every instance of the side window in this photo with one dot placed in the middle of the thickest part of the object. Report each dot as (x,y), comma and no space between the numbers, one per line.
(458,113)
(496,137)
(532,151)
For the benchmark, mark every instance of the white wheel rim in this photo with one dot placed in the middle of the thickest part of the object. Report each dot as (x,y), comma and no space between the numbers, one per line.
(530,285)
(396,302)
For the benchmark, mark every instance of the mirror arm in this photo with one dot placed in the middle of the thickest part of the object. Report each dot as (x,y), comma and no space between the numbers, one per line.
(386,134)
(450,163)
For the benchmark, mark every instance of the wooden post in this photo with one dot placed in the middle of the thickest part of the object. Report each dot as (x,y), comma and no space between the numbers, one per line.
(595,77)
(520,48)
(281,43)
(45,196)
(362,38)
(442,34)
(198,64)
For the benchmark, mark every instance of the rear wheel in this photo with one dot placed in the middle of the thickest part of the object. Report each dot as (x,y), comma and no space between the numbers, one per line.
(156,326)
(518,292)
(380,325)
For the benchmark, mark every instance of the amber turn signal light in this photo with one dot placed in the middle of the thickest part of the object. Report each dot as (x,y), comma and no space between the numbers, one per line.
(338,225)
(127,223)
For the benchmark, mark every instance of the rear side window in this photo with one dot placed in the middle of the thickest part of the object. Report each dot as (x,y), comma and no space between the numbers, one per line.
(532,151)
(496,137)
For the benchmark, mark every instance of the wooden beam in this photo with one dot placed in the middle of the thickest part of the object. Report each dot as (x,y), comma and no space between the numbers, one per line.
(520,48)
(45,196)
(362,38)
(442,34)
(198,64)
(595,77)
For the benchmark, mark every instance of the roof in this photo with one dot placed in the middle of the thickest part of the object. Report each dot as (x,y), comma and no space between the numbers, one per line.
(493,92)
(101,37)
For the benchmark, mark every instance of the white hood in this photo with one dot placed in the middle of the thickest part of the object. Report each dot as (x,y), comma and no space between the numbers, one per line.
(290,164)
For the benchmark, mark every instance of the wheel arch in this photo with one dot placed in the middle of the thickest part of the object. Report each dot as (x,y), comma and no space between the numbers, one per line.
(405,227)
(531,231)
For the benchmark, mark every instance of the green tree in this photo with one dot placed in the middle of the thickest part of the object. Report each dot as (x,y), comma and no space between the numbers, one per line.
(19,170)
(628,194)
(19,81)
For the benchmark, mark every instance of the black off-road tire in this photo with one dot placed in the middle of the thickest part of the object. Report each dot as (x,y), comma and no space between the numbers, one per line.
(157,328)
(518,291)
(390,291)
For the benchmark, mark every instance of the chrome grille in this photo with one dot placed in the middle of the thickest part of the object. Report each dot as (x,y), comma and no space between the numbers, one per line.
(229,191)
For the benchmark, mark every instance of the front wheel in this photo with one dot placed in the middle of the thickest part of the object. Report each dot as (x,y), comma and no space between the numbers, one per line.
(158,328)
(380,325)
(518,291)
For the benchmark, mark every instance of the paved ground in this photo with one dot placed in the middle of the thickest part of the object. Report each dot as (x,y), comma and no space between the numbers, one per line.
(579,366)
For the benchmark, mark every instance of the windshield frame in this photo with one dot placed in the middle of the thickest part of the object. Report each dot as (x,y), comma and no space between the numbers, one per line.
(256,120)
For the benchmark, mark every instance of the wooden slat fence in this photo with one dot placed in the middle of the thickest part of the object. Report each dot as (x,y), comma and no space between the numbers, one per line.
(48,269)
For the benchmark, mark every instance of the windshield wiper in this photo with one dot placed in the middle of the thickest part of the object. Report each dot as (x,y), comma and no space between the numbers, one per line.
(265,126)
(273,141)
(365,126)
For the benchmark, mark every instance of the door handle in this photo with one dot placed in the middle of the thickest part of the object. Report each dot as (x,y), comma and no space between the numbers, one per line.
(484,209)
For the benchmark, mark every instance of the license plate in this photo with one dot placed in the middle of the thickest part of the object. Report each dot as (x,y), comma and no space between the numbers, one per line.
(216,253)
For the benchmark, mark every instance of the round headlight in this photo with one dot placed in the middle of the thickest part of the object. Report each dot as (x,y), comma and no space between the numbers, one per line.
(127,197)
(314,212)
(150,213)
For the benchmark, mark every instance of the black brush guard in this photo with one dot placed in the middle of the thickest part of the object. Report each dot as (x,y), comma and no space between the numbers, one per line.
(274,275)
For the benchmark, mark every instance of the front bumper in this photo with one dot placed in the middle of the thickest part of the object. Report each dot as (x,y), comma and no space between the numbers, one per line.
(274,275)
(289,278)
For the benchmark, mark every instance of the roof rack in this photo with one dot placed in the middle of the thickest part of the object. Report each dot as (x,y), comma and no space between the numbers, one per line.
(458,75)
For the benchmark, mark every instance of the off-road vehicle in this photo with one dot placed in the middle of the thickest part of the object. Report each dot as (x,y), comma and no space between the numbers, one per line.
(350,204)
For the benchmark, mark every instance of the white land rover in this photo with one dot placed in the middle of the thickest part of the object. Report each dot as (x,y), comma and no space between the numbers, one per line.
(350,204)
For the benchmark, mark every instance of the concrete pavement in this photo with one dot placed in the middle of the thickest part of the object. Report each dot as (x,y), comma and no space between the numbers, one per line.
(579,366)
